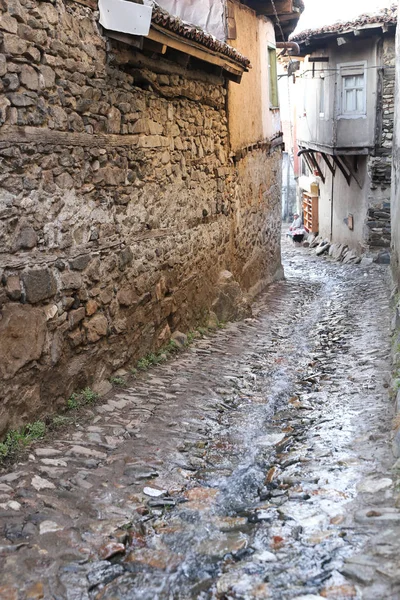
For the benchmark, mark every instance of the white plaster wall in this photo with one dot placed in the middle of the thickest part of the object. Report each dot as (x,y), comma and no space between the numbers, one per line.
(250,117)
(328,130)
(346,200)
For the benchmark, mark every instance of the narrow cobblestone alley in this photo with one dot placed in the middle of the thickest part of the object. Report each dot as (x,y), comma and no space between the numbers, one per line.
(255,464)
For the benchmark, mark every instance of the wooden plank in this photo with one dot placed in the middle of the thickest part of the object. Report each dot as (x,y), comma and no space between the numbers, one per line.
(265,7)
(157,34)
(41,135)
(122,56)
(132,40)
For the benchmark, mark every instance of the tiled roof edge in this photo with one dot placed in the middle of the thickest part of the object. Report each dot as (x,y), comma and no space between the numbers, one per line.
(164,19)
(385,16)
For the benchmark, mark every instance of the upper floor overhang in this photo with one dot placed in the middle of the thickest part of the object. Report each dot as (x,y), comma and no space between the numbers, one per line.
(345,31)
(285,14)
(336,150)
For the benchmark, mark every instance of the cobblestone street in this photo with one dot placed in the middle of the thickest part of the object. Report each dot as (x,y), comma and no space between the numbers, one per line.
(255,464)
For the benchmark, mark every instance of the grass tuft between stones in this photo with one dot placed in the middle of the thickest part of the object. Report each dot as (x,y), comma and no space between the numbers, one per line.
(82,398)
(16,439)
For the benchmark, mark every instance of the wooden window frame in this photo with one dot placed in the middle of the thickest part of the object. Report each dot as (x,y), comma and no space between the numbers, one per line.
(352,70)
(273,78)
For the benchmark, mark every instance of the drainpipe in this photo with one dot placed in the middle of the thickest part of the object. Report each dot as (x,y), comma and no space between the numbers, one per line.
(295,48)
(332,192)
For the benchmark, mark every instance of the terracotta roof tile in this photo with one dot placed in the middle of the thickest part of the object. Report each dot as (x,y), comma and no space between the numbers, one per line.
(384,16)
(191,32)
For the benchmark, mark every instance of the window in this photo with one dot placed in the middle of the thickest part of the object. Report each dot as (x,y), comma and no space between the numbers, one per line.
(353,90)
(273,78)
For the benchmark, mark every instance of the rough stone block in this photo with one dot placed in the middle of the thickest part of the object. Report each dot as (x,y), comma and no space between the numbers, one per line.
(22,334)
(127,296)
(76,316)
(13,287)
(153,141)
(25,239)
(125,258)
(8,23)
(29,77)
(148,127)
(47,77)
(39,284)
(80,262)
(76,338)
(22,100)
(91,307)
(71,281)
(96,328)
(4,106)
(110,176)
(114,120)
(3,65)
(12,44)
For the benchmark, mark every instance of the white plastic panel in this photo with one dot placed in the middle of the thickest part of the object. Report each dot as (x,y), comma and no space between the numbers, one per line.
(207,14)
(125,17)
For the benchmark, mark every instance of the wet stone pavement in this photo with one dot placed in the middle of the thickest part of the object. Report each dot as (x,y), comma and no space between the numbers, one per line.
(256,464)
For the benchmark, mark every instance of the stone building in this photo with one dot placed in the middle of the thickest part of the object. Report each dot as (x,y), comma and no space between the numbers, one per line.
(139,188)
(395,257)
(345,128)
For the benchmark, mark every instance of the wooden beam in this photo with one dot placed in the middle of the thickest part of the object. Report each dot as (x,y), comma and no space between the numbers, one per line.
(125,56)
(353,172)
(309,164)
(330,167)
(13,134)
(162,36)
(346,175)
(265,7)
(317,167)
(125,38)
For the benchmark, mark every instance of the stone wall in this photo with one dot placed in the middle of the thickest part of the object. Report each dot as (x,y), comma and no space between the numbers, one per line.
(120,204)
(378,226)
(395,196)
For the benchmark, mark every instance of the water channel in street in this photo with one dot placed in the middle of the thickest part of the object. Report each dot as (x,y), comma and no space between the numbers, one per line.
(255,464)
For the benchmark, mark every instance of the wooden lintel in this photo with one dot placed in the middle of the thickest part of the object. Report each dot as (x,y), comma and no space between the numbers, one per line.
(13,134)
(318,59)
(132,40)
(288,17)
(157,34)
(282,7)
(168,65)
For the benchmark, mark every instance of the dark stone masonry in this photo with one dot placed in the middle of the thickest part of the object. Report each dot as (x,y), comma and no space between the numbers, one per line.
(120,205)
(380,164)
